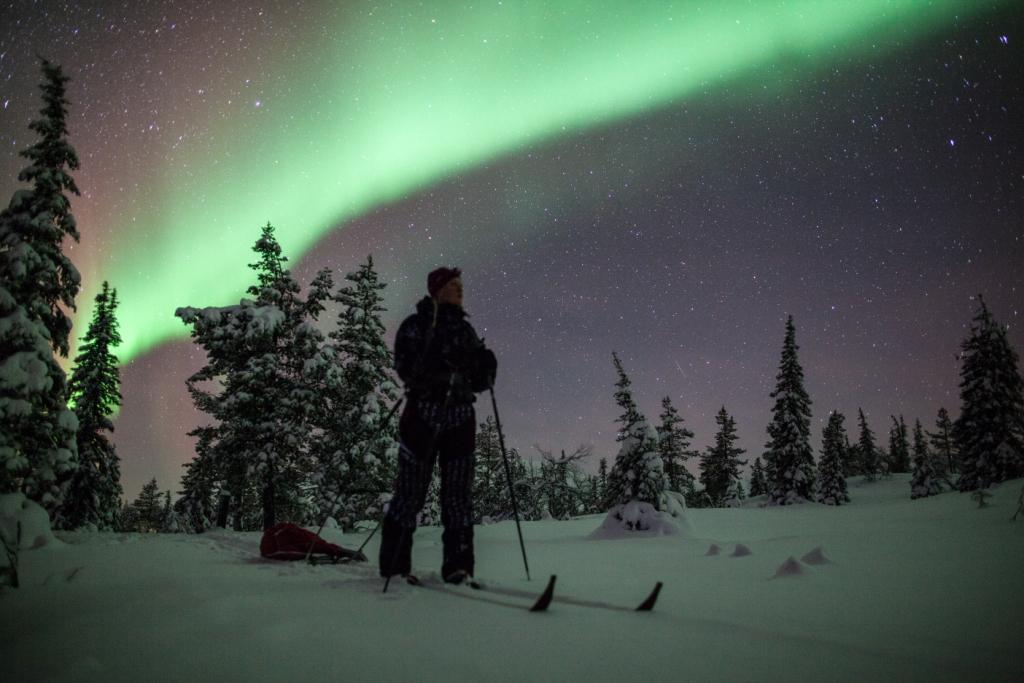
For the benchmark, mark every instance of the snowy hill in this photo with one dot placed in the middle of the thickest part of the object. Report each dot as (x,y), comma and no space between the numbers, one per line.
(927,590)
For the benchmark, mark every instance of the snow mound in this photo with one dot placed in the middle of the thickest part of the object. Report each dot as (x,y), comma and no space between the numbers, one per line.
(741,551)
(16,509)
(789,568)
(713,549)
(632,520)
(815,557)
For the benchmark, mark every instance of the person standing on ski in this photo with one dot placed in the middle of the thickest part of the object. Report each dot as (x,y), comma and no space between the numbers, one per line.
(443,364)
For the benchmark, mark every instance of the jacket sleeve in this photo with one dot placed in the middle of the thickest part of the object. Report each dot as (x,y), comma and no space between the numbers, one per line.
(479,364)
(408,349)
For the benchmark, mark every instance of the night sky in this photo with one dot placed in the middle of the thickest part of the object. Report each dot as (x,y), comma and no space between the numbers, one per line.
(668,180)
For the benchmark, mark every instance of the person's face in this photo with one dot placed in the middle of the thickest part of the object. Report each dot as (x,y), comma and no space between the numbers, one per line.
(451,293)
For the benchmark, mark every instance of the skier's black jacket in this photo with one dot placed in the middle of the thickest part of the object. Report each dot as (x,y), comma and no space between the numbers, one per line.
(436,345)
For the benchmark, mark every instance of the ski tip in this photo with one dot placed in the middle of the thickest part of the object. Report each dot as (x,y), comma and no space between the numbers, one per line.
(648,604)
(545,598)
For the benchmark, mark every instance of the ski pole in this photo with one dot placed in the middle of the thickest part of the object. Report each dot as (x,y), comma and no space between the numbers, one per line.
(511,488)
(334,501)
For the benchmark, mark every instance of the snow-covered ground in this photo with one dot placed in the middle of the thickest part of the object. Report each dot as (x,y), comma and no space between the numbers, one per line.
(927,590)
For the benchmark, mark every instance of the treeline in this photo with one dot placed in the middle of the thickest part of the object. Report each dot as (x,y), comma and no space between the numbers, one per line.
(984,446)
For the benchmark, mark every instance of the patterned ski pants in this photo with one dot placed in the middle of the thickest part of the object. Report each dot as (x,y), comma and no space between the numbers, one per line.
(427,436)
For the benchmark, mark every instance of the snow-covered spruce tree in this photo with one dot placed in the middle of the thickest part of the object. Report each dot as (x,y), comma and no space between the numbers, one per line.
(943,446)
(736,493)
(788,455)
(638,473)
(430,515)
(287,375)
(38,284)
(172,521)
(923,481)
(831,481)
(594,496)
(195,505)
(990,430)
(490,486)
(261,354)
(899,446)
(674,448)
(148,508)
(867,452)
(637,479)
(624,399)
(720,464)
(758,483)
(93,496)
(356,451)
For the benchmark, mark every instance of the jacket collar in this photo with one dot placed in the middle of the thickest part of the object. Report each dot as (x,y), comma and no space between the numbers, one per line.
(425,307)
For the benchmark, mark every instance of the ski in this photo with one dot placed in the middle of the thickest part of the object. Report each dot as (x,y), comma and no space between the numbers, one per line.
(480,592)
(543,601)
(646,605)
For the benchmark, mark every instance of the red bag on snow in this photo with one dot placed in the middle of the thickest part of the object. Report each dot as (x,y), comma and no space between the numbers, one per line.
(287,541)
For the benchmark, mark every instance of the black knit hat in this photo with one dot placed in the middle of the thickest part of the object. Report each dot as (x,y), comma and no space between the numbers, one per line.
(439,278)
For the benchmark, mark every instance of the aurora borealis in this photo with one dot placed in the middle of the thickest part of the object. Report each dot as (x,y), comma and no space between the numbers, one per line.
(665,179)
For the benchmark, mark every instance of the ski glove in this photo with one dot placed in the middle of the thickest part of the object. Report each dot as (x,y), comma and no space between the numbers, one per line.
(485,369)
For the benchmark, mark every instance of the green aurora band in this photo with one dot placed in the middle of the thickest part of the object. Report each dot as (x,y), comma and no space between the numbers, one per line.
(398,99)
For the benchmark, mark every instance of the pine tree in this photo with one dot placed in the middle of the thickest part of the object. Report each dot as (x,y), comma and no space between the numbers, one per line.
(674,448)
(943,446)
(279,380)
(831,481)
(789,457)
(720,464)
(38,284)
(528,486)
(990,430)
(594,495)
(490,488)
(128,518)
(265,356)
(430,515)
(736,493)
(563,481)
(195,504)
(923,481)
(851,459)
(357,451)
(624,398)
(148,508)
(867,452)
(94,492)
(170,523)
(758,483)
(899,448)
(602,481)
(638,473)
